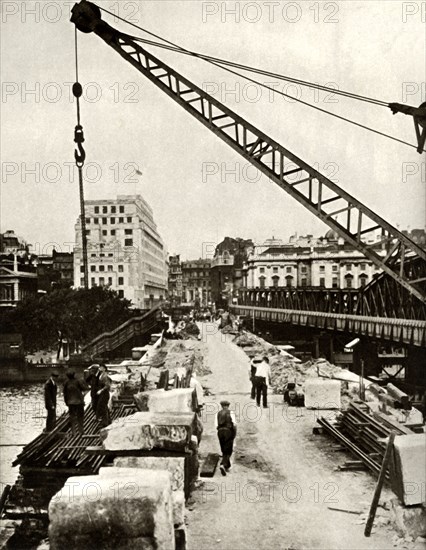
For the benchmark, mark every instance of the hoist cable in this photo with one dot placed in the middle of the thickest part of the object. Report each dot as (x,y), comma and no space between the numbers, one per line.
(80,156)
(175,47)
(76,74)
(224,64)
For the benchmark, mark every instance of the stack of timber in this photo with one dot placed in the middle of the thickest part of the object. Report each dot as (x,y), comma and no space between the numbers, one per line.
(62,450)
(364,434)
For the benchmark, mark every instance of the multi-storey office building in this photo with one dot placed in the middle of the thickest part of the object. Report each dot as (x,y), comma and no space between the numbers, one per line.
(125,250)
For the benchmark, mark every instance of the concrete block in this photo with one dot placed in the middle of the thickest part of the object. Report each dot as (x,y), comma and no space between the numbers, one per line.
(113,511)
(409,521)
(322,393)
(409,468)
(177,400)
(147,430)
(174,468)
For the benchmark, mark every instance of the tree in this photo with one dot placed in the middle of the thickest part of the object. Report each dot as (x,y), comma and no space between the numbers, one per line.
(80,315)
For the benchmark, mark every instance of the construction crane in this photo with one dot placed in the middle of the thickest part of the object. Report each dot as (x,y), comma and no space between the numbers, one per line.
(404,261)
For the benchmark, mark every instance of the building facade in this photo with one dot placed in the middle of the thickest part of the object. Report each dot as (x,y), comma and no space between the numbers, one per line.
(125,250)
(196,286)
(325,262)
(18,277)
(175,280)
(55,271)
(227,272)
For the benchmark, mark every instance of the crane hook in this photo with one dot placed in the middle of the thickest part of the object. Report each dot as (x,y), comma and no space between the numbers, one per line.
(80,155)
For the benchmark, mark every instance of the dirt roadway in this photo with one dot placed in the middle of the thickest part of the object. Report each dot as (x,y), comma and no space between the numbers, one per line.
(282,481)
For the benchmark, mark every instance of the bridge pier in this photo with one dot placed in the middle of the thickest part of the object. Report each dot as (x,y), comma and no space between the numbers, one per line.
(323,346)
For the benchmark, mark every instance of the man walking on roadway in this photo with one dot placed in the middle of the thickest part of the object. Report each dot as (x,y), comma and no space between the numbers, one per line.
(261,380)
(226,431)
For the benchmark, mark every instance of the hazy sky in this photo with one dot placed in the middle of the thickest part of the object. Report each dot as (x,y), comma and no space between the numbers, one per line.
(200,189)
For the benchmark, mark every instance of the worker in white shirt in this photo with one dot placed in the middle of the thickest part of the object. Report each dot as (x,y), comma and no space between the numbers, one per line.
(226,426)
(261,381)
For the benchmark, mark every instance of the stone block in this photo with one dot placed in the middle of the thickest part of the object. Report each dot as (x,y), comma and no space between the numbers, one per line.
(147,430)
(173,466)
(409,521)
(409,468)
(178,400)
(132,509)
(322,393)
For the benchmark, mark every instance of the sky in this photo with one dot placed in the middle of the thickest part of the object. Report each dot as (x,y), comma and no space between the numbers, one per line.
(199,188)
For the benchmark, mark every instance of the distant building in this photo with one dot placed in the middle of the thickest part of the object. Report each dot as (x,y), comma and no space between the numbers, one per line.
(125,250)
(12,244)
(196,287)
(18,278)
(227,273)
(55,271)
(416,235)
(175,280)
(327,262)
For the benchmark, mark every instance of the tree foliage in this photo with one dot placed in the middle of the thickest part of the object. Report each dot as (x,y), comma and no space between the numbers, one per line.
(79,314)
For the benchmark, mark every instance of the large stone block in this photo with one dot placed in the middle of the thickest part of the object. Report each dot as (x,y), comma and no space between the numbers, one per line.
(409,468)
(173,466)
(177,400)
(147,430)
(132,509)
(322,393)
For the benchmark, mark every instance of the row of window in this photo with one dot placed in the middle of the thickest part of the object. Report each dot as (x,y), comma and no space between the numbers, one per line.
(96,221)
(127,242)
(304,269)
(101,281)
(113,209)
(102,268)
(304,282)
(113,232)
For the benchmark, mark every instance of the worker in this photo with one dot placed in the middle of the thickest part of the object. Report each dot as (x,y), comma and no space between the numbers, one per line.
(92,378)
(103,394)
(74,399)
(252,374)
(261,380)
(226,426)
(50,393)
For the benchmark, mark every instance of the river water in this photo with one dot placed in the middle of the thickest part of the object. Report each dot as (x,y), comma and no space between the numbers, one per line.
(22,419)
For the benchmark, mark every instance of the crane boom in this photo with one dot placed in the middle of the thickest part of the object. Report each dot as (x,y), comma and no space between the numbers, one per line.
(309,187)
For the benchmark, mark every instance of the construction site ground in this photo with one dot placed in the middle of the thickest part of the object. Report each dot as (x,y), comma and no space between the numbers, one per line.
(283,481)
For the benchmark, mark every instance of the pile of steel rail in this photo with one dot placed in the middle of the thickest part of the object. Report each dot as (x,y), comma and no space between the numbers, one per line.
(61,449)
(363,433)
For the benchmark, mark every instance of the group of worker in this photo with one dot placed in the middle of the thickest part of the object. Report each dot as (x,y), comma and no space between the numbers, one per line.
(74,389)
(225,421)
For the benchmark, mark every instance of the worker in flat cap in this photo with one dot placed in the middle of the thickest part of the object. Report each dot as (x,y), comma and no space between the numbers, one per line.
(50,394)
(226,426)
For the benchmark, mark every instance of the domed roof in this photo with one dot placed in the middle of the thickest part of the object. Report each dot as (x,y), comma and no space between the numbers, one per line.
(331,235)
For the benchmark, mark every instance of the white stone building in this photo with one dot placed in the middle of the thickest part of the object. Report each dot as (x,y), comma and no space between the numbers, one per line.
(326,262)
(125,250)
